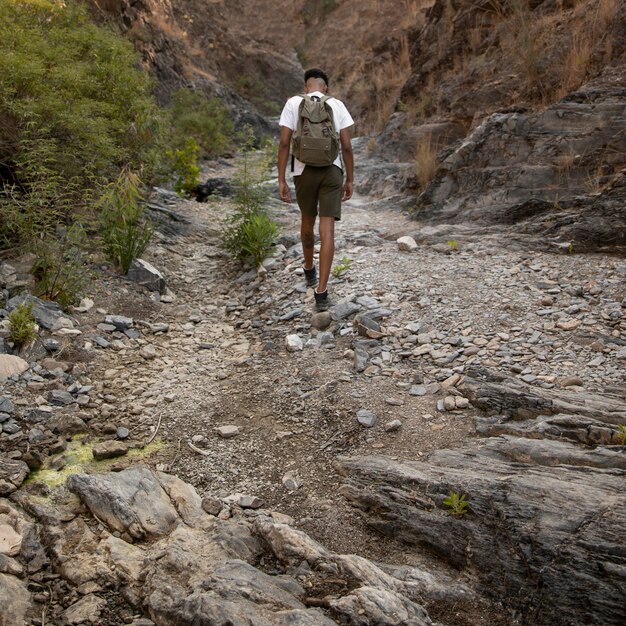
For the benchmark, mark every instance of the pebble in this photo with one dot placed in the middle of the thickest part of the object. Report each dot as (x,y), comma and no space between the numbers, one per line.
(406,244)
(290,482)
(294,343)
(393,426)
(109,450)
(322,320)
(122,432)
(228,431)
(366,418)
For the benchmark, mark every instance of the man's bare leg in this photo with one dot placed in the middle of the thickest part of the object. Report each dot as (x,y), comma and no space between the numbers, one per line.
(327,251)
(307,236)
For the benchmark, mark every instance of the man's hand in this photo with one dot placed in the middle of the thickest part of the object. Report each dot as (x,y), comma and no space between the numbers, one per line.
(347,191)
(284,191)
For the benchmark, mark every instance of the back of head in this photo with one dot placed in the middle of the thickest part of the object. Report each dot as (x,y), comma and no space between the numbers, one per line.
(315,75)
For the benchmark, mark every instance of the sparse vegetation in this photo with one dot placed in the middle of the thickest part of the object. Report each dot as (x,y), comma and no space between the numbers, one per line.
(252,233)
(126,231)
(457,504)
(185,166)
(60,268)
(22,325)
(453,245)
(344,265)
(620,437)
(425,160)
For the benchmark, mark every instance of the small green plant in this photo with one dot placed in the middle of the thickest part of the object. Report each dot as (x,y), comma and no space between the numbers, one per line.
(457,504)
(59,268)
(252,233)
(22,328)
(185,166)
(126,232)
(453,245)
(620,438)
(570,248)
(343,266)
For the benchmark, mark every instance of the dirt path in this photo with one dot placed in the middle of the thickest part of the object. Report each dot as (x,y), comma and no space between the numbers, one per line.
(223,360)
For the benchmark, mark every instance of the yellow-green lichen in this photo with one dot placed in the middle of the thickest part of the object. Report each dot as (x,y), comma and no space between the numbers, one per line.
(78,459)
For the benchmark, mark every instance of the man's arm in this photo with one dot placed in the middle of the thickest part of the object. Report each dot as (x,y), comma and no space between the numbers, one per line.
(348,162)
(283,157)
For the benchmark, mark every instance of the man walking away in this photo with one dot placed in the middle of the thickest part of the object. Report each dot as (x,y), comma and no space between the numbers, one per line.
(320,187)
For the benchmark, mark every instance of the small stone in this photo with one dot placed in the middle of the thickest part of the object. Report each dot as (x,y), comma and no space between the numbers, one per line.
(61,323)
(321,321)
(361,358)
(86,304)
(109,450)
(366,418)
(568,324)
(228,431)
(148,352)
(290,482)
(51,345)
(293,343)
(449,403)
(245,502)
(86,611)
(344,309)
(57,397)
(6,406)
(418,390)
(394,401)
(146,275)
(119,322)
(393,426)
(406,244)
(461,402)
(122,432)
(367,327)
(212,506)
(571,381)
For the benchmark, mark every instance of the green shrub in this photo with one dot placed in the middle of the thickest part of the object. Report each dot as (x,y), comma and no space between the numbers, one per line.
(22,329)
(60,270)
(204,119)
(185,166)
(126,232)
(252,233)
(74,110)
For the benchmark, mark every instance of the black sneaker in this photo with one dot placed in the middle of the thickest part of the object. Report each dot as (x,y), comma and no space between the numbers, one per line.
(310,276)
(321,300)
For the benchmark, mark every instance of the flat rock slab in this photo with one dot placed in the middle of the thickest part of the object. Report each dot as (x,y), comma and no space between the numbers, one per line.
(131,501)
(542,536)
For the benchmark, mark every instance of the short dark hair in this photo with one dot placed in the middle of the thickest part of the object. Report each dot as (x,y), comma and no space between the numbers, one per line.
(315,72)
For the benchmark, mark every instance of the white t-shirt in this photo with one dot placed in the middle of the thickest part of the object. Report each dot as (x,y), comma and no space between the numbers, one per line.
(289,118)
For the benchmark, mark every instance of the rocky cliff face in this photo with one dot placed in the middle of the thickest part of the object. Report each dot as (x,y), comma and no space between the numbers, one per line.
(499,111)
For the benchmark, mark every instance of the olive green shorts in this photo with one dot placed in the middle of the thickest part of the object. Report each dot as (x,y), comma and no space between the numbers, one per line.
(320,187)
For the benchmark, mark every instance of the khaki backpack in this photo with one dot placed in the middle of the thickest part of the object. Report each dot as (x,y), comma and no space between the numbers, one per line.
(315,141)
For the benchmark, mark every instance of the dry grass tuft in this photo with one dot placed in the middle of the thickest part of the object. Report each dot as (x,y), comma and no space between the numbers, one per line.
(425,160)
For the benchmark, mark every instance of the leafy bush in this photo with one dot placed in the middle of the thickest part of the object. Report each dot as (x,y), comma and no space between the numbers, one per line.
(74,110)
(203,119)
(59,269)
(125,230)
(252,233)
(185,165)
(22,329)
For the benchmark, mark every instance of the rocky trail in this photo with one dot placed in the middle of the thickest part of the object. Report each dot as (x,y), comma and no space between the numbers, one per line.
(469,361)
